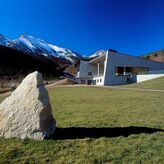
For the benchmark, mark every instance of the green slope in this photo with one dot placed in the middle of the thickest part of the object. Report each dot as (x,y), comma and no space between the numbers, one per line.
(150,84)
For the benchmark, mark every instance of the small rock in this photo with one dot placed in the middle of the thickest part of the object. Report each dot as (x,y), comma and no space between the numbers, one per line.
(27,112)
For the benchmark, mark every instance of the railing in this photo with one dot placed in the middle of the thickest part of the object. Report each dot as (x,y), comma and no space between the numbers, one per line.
(89,76)
(124,74)
(96,76)
(151,72)
(141,73)
(84,76)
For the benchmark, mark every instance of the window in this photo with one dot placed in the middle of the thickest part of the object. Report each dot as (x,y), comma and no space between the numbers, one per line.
(127,79)
(130,70)
(97,80)
(89,73)
(94,82)
(119,70)
(89,82)
(100,80)
(82,81)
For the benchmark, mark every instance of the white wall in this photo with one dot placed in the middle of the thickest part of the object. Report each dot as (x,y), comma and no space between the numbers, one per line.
(85,67)
(141,78)
(98,78)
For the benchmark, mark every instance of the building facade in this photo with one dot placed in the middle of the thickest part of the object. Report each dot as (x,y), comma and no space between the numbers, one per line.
(114,68)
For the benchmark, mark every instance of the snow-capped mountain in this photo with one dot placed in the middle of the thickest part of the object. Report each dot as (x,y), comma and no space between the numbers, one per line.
(4,40)
(37,46)
(97,53)
(65,53)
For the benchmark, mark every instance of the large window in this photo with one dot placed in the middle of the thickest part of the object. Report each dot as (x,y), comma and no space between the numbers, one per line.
(89,82)
(119,70)
(82,81)
(94,82)
(130,70)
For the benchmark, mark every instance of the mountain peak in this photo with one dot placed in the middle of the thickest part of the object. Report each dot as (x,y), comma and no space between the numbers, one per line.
(21,36)
(37,46)
(4,40)
(2,36)
(97,53)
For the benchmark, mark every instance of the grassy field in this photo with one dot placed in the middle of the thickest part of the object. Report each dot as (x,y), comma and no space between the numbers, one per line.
(97,125)
(150,84)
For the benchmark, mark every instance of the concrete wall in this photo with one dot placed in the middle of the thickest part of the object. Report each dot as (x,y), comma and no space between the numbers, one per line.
(116,59)
(85,67)
(141,78)
(100,80)
(101,69)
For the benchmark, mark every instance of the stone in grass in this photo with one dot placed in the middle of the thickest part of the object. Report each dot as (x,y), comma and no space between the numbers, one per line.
(27,114)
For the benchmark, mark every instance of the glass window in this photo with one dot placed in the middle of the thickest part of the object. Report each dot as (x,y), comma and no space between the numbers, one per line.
(82,81)
(89,82)
(94,82)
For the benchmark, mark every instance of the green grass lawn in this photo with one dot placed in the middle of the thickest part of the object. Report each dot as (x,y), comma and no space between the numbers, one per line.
(150,84)
(94,126)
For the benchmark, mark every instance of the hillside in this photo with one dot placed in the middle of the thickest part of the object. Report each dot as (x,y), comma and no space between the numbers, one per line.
(73,69)
(156,56)
(49,59)
(150,84)
(36,46)
(16,63)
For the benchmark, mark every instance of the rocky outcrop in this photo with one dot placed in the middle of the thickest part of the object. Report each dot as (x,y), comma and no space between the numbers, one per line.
(27,112)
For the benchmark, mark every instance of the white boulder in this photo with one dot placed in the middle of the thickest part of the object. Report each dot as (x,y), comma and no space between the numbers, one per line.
(27,112)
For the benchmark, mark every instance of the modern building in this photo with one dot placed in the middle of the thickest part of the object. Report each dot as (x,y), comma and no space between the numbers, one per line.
(114,68)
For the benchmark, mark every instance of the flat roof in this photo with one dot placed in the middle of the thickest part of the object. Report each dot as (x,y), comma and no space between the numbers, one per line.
(97,59)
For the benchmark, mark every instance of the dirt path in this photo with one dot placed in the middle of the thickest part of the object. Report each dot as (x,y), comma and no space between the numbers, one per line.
(110,87)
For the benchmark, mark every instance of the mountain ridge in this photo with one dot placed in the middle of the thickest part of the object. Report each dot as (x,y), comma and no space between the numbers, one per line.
(155,55)
(37,46)
(52,57)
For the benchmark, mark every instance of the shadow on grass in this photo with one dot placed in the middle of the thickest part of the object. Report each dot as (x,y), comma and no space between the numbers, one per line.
(83,132)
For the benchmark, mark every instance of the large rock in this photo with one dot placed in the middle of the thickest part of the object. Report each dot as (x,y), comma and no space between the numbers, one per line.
(27,112)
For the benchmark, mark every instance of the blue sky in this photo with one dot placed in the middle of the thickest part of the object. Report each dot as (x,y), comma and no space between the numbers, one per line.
(135,27)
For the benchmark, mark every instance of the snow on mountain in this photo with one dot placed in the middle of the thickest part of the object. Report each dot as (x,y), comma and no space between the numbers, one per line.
(26,41)
(20,45)
(65,53)
(98,53)
(40,46)
(37,45)
(56,48)
(33,45)
(4,40)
